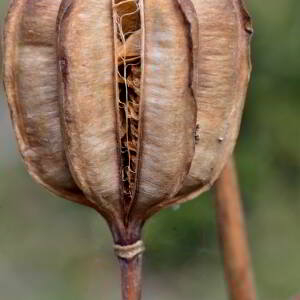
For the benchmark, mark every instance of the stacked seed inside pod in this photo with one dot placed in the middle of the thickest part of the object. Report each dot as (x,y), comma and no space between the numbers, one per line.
(127,18)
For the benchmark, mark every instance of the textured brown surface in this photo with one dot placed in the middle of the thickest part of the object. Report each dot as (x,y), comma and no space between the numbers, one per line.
(223,74)
(169,112)
(30,78)
(233,236)
(136,142)
(128,78)
(131,277)
(219,34)
(90,129)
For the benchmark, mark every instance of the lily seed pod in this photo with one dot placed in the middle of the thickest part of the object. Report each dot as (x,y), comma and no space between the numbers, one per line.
(127,106)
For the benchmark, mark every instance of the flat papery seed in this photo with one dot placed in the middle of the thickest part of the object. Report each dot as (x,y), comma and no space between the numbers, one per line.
(223,75)
(169,113)
(131,19)
(131,49)
(85,52)
(30,78)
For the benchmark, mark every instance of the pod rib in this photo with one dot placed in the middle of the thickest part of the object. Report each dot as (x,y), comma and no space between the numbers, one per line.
(222,79)
(169,108)
(30,79)
(86,63)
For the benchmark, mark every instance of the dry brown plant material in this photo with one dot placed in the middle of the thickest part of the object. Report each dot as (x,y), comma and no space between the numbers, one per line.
(128,72)
(143,112)
(233,236)
(30,78)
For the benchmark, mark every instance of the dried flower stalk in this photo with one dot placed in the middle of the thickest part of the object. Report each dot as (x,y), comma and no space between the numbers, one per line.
(233,236)
(143,110)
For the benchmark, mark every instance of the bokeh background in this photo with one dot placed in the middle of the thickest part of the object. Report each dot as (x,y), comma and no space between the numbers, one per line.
(53,249)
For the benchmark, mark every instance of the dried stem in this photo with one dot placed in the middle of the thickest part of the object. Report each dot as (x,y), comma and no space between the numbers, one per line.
(233,236)
(131,277)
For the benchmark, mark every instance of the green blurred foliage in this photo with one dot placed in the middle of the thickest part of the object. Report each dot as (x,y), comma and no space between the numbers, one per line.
(53,249)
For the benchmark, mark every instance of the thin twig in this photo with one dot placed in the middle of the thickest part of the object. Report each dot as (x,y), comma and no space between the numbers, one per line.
(233,236)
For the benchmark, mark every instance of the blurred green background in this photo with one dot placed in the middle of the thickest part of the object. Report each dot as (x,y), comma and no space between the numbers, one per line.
(53,249)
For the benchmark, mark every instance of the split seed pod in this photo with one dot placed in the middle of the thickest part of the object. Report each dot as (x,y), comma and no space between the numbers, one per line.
(127,106)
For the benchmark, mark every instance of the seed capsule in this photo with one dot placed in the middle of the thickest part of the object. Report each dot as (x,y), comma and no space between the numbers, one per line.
(127,106)
(144,108)
(132,147)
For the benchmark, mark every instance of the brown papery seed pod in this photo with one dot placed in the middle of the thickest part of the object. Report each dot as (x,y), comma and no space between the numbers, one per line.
(146,108)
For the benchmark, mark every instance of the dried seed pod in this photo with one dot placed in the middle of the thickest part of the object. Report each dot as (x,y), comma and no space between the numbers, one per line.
(30,77)
(147,155)
(151,121)
(151,94)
